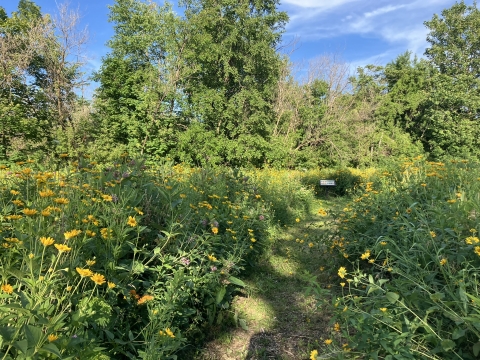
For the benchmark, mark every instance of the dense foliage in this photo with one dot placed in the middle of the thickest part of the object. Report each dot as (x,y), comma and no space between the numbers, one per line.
(208,86)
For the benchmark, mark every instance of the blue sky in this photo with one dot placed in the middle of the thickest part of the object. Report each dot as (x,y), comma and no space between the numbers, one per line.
(359,31)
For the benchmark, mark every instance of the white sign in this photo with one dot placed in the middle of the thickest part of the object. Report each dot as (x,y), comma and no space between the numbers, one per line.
(327,183)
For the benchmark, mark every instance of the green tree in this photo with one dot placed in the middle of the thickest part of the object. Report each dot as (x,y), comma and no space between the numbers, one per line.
(231,91)
(454,101)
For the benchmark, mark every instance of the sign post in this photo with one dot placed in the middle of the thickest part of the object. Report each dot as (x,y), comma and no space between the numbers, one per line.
(326,184)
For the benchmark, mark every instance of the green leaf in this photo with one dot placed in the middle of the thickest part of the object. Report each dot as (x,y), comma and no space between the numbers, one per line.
(243,324)
(392,297)
(220,294)
(236,281)
(33,335)
(476,348)
(448,345)
(458,333)
(51,348)
(21,345)
(437,296)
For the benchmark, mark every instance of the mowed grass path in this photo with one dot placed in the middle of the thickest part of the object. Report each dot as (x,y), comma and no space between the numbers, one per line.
(283,323)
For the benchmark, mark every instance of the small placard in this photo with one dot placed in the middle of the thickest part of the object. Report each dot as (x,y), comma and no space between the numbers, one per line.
(327,183)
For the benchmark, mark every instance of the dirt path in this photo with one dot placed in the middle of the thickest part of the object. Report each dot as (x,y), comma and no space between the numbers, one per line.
(283,323)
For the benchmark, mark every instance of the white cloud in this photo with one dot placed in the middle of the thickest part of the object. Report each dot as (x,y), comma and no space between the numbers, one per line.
(383,10)
(318,4)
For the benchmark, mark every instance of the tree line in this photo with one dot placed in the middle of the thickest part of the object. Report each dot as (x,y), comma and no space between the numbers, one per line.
(211,86)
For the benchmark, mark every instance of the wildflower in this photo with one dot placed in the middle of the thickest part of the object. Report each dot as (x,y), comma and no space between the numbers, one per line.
(107,197)
(111,285)
(63,155)
(98,279)
(261,217)
(183,196)
(322,268)
(144,299)
(432,234)
(62,248)
(383,243)
(14,192)
(214,268)
(383,309)
(139,211)
(46,193)
(297,220)
(342,284)
(31,256)
(443,261)
(472,240)
(132,221)
(90,262)
(71,234)
(61,201)
(184,261)
(52,337)
(29,212)
(328,341)
(84,272)
(477,250)
(408,211)
(14,217)
(47,241)
(310,245)
(322,212)
(46,212)
(365,255)
(451,201)
(313,355)
(69,288)
(342,272)
(336,327)
(7,288)
(215,230)
(212,258)
(90,233)
(106,233)
(423,184)
(18,202)
(253,240)
(169,333)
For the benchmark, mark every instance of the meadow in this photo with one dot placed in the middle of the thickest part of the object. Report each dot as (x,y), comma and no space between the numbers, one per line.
(128,261)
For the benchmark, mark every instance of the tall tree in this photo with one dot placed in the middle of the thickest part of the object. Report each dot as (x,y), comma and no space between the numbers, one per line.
(454,103)
(231,92)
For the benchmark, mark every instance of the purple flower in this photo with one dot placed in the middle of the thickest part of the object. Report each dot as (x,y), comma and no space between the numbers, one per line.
(132,163)
(114,198)
(215,223)
(74,336)
(204,222)
(184,261)
(213,268)
(125,175)
(261,217)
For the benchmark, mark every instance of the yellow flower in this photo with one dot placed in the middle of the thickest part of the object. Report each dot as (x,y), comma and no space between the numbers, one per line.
(18,202)
(106,233)
(14,192)
(322,212)
(7,288)
(46,212)
(107,197)
(451,201)
(443,261)
(14,217)
(144,299)
(297,220)
(90,233)
(366,255)
(215,230)
(253,240)
(90,262)
(139,211)
(46,193)
(84,272)
(98,279)
(61,201)
(342,284)
(72,233)
(63,155)
(52,337)
(47,241)
(62,248)
(383,309)
(313,355)
(432,234)
(328,341)
(310,245)
(183,196)
(169,332)
(111,285)
(336,327)
(342,272)
(69,288)
(383,243)
(212,258)
(31,256)
(132,221)
(477,250)
(472,240)
(29,212)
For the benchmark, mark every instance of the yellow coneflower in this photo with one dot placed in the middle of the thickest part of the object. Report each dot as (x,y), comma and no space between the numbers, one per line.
(84,272)
(62,248)
(132,221)
(98,279)
(47,241)
(7,288)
